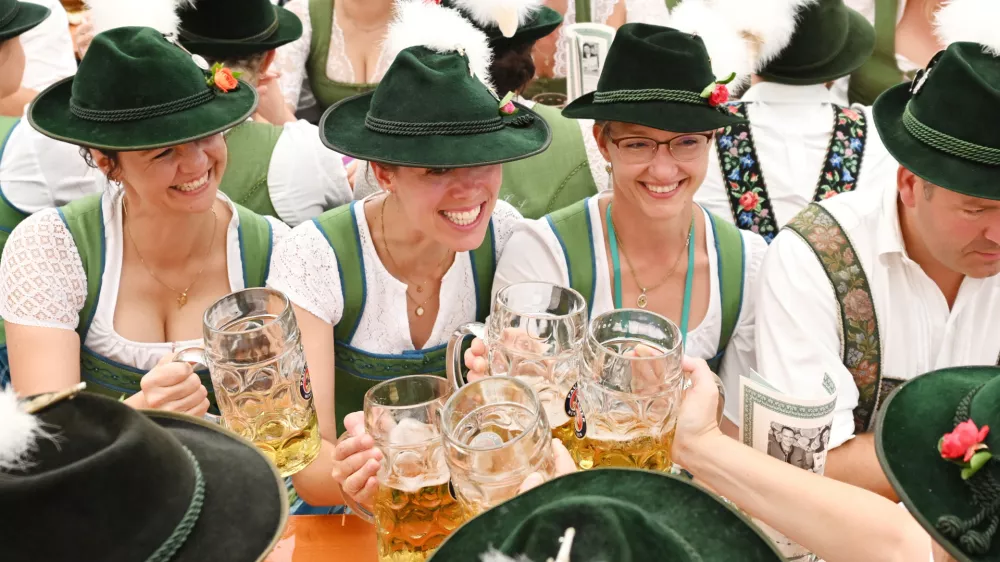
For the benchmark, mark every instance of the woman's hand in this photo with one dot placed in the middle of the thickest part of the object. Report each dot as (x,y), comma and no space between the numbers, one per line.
(356,461)
(564,465)
(697,419)
(271,107)
(475,360)
(172,386)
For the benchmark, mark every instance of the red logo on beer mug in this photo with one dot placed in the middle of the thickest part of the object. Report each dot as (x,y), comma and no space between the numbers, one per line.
(575,411)
(305,386)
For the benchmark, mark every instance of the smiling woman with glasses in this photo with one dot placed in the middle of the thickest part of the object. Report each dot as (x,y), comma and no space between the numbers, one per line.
(645,243)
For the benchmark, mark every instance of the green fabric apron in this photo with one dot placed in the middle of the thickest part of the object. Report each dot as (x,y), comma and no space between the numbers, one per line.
(85,220)
(572,226)
(10,216)
(357,370)
(880,72)
(554,179)
(245,181)
(326,91)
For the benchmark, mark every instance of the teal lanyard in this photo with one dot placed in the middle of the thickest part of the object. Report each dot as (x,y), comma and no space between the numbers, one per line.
(688,278)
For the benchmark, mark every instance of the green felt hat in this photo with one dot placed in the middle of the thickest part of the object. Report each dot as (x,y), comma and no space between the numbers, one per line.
(673,99)
(909,427)
(18,17)
(430,111)
(135,90)
(620,515)
(941,125)
(119,485)
(540,22)
(830,41)
(225,29)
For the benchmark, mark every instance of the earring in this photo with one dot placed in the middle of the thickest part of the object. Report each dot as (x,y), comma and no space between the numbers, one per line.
(607,167)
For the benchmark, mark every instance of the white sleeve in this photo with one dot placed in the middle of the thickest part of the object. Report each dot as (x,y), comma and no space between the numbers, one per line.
(305,177)
(532,253)
(304,268)
(42,281)
(798,330)
(712,193)
(48,49)
(278,230)
(292,58)
(505,219)
(741,353)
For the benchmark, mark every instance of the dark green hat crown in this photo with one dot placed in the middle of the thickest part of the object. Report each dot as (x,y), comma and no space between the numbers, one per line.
(430,110)
(18,17)
(654,76)
(941,126)
(540,23)
(830,41)
(233,28)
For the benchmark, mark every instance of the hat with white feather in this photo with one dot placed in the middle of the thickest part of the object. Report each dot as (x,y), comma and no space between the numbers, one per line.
(741,36)
(93,479)
(17,17)
(509,22)
(940,125)
(435,106)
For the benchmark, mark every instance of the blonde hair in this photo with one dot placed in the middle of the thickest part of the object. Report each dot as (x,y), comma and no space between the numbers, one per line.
(249,66)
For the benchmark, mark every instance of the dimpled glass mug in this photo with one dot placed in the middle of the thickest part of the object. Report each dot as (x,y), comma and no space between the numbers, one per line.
(253,350)
(495,435)
(535,332)
(414,510)
(625,404)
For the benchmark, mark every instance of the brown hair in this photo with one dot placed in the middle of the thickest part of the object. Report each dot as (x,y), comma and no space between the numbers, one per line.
(114,169)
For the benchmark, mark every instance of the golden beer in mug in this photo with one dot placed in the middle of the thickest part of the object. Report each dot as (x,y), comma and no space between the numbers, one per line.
(254,352)
(414,510)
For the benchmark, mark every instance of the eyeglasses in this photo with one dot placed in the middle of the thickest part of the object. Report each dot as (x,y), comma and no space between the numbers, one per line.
(640,150)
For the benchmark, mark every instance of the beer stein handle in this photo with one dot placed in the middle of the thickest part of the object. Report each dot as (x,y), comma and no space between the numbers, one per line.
(454,362)
(356,508)
(195,356)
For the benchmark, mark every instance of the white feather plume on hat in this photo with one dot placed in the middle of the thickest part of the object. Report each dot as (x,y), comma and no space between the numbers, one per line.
(508,15)
(161,15)
(970,20)
(19,432)
(419,23)
(741,36)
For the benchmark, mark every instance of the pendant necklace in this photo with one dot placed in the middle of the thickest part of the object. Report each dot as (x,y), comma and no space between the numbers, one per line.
(616,242)
(419,310)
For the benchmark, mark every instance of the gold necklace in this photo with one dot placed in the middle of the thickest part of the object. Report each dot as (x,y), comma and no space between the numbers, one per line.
(419,310)
(642,301)
(182,297)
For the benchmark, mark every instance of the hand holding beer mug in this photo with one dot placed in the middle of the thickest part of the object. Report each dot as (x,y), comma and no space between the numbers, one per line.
(625,405)
(356,462)
(414,510)
(535,333)
(254,352)
(496,434)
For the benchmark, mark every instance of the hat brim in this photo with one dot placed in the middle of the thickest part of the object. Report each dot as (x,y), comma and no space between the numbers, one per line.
(665,116)
(246,503)
(912,421)
(289,29)
(50,114)
(675,503)
(342,128)
(28,16)
(545,21)
(857,50)
(935,166)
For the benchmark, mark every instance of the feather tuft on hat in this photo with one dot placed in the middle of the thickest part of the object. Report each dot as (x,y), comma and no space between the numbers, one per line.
(970,20)
(19,433)
(508,15)
(419,23)
(161,15)
(741,36)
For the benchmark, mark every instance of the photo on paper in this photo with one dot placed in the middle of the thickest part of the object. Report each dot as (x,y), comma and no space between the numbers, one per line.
(804,448)
(588,46)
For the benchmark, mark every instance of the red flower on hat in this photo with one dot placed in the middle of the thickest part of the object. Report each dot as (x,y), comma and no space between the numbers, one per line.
(963,441)
(720,95)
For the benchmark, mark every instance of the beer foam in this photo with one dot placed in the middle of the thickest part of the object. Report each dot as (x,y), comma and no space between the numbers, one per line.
(409,431)
(412,485)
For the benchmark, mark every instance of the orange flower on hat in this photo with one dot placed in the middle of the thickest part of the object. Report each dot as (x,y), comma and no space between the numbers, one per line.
(222,78)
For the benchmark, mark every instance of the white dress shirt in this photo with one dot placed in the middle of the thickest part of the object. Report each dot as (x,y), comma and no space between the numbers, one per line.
(48,49)
(791,128)
(534,253)
(798,317)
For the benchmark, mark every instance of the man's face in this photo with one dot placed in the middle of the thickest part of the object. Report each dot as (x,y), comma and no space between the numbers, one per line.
(960,232)
(787,437)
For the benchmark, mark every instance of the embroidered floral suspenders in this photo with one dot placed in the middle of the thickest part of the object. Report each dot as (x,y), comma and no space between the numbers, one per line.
(859,335)
(745,183)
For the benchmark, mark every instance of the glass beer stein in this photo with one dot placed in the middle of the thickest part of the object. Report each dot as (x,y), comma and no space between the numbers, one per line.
(495,435)
(414,510)
(253,350)
(624,406)
(535,332)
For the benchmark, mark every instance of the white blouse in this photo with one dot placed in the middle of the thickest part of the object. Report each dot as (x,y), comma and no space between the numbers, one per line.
(43,283)
(292,60)
(534,253)
(304,267)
